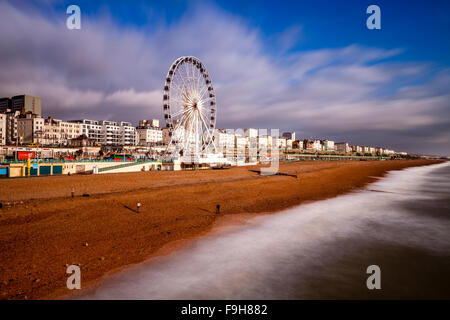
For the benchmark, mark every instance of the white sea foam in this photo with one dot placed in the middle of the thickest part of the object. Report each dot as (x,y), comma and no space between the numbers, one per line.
(256,261)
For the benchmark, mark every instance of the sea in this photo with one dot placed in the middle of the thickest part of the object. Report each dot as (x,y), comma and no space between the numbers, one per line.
(319,250)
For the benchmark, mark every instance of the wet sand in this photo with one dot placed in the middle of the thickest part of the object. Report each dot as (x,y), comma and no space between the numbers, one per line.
(43,229)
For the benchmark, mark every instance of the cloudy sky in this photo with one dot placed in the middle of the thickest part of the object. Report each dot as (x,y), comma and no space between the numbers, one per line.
(308,66)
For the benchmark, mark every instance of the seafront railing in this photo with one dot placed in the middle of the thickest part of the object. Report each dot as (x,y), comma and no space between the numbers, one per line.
(125,164)
(37,160)
(329,157)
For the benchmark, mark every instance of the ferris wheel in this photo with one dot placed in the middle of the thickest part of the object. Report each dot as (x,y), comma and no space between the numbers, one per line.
(189,105)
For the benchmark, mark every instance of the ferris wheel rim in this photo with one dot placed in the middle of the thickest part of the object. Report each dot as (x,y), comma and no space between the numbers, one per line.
(192,87)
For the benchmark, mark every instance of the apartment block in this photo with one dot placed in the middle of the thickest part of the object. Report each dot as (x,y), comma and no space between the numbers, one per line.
(289,143)
(58,132)
(30,129)
(289,135)
(317,145)
(153,123)
(298,144)
(328,145)
(357,149)
(21,103)
(343,147)
(149,135)
(109,133)
(11,127)
(224,140)
(2,129)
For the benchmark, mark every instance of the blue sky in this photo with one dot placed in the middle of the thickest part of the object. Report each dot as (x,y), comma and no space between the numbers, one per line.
(309,66)
(422,28)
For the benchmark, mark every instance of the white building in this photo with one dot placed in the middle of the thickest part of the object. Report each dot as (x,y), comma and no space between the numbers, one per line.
(58,132)
(289,143)
(2,129)
(263,142)
(328,145)
(279,142)
(109,133)
(224,140)
(251,133)
(240,142)
(149,136)
(11,127)
(91,129)
(128,134)
(154,123)
(317,145)
(357,149)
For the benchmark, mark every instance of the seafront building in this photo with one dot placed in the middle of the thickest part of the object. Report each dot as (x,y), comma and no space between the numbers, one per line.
(297,144)
(317,145)
(289,135)
(343,147)
(240,142)
(278,142)
(22,103)
(2,129)
(357,149)
(289,143)
(149,133)
(59,132)
(109,133)
(153,123)
(30,129)
(328,145)
(225,141)
(251,132)
(11,127)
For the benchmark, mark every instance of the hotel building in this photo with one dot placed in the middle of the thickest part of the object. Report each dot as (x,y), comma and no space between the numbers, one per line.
(109,133)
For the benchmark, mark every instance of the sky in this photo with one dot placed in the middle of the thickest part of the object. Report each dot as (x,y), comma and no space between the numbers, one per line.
(312,67)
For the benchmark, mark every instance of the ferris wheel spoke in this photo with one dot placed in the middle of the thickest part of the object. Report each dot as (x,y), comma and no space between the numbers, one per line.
(203,91)
(207,100)
(194,78)
(181,102)
(206,127)
(188,77)
(197,80)
(204,113)
(178,88)
(191,75)
(179,112)
(178,74)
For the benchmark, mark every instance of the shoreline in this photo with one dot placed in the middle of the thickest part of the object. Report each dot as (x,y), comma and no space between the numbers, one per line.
(123,238)
(221,226)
